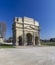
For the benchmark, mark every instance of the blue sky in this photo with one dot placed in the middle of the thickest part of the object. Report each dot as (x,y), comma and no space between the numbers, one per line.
(41,10)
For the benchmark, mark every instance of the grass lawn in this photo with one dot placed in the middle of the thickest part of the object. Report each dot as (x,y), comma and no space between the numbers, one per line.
(48,43)
(6,46)
(42,43)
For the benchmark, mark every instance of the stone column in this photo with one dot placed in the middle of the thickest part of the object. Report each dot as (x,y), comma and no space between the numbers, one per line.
(16,37)
(23,32)
(34,38)
(23,40)
(39,38)
(17,42)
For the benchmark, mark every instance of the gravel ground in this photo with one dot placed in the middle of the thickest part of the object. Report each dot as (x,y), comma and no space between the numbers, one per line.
(27,56)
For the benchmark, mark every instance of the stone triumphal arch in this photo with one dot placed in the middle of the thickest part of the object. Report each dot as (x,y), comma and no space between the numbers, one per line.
(26,31)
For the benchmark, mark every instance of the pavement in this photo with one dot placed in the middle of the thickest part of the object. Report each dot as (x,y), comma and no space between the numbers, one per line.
(27,56)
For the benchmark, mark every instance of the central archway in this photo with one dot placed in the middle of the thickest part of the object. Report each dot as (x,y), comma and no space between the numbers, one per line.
(29,38)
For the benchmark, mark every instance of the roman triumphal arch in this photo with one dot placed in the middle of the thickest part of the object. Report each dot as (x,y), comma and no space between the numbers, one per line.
(26,31)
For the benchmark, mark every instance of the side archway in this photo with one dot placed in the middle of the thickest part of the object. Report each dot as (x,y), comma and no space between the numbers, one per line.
(36,40)
(20,40)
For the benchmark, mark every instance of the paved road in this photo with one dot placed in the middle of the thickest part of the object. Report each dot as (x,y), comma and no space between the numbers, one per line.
(28,56)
